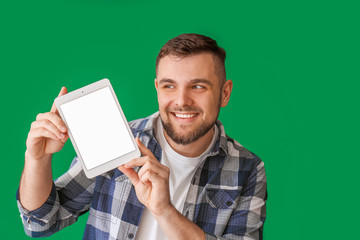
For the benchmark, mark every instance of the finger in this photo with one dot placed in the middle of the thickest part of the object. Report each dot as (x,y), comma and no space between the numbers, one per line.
(42,133)
(146,177)
(63,91)
(136,162)
(49,126)
(155,179)
(130,173)
(156,168)
(54,119)
(144,150)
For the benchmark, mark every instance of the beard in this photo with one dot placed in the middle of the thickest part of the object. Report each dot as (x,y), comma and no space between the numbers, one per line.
(181,137)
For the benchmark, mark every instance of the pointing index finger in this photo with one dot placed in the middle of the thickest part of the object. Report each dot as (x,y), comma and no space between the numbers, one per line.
(144,150)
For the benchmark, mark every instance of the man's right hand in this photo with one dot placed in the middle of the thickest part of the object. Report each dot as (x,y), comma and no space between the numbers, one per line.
(47,135)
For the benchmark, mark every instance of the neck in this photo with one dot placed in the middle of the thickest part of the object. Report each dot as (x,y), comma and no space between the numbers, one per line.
(193,149)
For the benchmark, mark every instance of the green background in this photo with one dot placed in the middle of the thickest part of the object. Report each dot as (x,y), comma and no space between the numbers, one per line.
(295,68)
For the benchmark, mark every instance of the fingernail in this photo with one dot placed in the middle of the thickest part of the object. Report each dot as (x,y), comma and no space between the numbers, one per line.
(63,129)
(62,135)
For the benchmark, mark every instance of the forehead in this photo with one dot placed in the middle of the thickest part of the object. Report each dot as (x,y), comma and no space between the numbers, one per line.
(199,66)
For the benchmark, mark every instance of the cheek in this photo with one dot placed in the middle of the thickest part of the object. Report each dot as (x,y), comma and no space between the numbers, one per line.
(163,102)
(211,101)
(211,105)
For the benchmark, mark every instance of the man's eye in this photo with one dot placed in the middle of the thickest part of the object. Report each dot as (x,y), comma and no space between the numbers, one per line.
(168,86)
(198,87)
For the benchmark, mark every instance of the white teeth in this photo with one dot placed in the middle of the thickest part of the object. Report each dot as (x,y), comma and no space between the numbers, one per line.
(179,115)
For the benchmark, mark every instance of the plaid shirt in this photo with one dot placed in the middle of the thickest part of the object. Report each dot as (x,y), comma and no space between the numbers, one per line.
(226,198)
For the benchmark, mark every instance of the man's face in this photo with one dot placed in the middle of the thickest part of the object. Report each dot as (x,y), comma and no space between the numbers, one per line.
(189,96)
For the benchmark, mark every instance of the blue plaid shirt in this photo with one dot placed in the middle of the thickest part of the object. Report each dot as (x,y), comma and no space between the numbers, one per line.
(226,198)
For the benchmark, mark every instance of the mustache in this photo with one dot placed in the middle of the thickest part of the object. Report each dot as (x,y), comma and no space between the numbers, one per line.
(184,109)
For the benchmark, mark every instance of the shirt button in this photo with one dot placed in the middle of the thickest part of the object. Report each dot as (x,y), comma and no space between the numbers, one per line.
(111,173)
(130,235)
(228,203)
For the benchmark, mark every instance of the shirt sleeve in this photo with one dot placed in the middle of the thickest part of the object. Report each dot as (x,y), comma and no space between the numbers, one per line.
(246,222)
(70,197)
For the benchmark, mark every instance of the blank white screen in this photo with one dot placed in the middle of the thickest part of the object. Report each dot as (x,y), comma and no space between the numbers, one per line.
(97,127)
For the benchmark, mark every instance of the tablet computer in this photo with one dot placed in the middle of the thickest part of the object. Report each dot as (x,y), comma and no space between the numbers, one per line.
(97,128)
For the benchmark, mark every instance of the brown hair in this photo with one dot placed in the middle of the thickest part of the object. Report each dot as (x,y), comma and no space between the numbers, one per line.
(190,44)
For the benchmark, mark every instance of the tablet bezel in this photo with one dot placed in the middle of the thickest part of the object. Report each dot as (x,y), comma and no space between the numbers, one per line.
(105,167)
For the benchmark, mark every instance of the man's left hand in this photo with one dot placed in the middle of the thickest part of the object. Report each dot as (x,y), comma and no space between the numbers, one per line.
(151,182)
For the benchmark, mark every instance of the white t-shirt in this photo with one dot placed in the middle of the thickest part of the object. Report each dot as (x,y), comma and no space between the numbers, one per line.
(182,170)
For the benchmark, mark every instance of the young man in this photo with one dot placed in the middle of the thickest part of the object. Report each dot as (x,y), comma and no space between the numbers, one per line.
(192,181)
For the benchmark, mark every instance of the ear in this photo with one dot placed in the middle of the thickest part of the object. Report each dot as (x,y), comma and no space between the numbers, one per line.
(156,84)
(226,92)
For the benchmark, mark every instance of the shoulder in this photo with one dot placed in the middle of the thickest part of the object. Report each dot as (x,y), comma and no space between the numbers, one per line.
(242,166)
(236,152)
(235,149)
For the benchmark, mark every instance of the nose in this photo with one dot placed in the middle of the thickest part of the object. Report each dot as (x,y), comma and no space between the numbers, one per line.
(183,98)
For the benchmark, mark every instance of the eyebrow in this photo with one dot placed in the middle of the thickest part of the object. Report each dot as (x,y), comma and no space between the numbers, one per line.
(201,80)
(193,81)
(166,80)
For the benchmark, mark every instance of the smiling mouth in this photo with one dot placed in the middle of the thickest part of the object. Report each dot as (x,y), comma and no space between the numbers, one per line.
(185,115)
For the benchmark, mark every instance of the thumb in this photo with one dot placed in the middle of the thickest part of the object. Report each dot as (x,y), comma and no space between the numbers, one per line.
(63,91)
(144,150)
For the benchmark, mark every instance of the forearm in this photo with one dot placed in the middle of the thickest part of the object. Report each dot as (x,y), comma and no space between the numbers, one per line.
(36,182)
(177,227)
